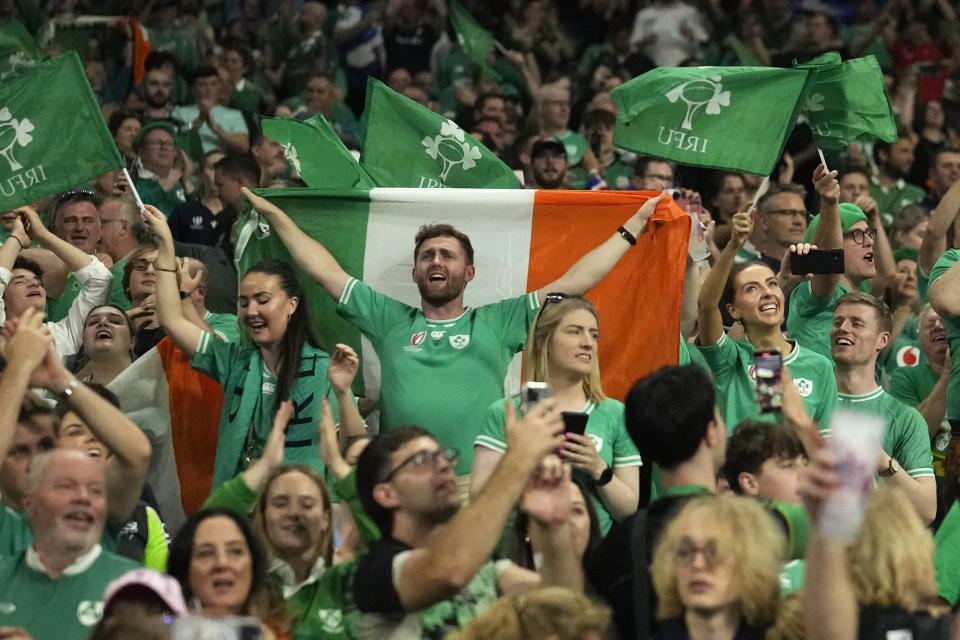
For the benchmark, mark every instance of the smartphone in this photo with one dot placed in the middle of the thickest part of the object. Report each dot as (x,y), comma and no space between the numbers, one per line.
(574,422)
(533,392)
(817,261)
(766,371)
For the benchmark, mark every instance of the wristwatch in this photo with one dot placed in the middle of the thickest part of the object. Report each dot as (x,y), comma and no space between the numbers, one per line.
(891,469)
(605,477)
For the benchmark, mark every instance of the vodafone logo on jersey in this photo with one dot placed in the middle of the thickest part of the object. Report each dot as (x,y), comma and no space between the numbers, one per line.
(908,357)
(418,338)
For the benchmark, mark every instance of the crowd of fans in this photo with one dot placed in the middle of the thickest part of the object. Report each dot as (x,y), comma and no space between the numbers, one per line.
(252,490)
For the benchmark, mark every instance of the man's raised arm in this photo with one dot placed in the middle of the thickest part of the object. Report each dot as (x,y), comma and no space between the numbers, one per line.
(588,271)
(829,232)
(310,255)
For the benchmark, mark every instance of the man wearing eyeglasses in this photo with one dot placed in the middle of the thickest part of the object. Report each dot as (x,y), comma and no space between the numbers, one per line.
(839,225)
(163,177)
(432,569)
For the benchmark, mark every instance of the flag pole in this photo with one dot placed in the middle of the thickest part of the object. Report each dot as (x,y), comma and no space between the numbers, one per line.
(762,189)
(822,159)
(133,189)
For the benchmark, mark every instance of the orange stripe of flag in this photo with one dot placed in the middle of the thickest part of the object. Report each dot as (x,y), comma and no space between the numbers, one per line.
(639,301)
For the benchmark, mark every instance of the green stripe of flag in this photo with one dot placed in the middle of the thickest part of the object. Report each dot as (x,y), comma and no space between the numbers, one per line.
(336,219)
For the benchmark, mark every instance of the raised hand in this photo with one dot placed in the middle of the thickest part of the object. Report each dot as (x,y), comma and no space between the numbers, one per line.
(154,220)
(32,224)
(742,226)
(329,444)
(343,368)
(547,498)
(638,223)
(188,282)
(539,433)
(273,448)
(27,340)
(826,184)
(786,277)
(579,451)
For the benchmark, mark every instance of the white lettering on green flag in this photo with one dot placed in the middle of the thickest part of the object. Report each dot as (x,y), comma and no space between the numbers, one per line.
(407,145)
(724,117)
(52,134)
(847,101)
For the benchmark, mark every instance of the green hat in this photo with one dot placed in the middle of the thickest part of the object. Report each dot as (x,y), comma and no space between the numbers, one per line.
(850,214)
(150,126)
(906,253)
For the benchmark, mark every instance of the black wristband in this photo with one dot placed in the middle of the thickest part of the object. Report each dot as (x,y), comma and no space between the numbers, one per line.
(605,477)
(629,237)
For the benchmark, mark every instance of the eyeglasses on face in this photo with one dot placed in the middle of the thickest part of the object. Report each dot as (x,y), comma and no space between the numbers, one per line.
(141,265)
(687,552)
(857,235)
(425,459)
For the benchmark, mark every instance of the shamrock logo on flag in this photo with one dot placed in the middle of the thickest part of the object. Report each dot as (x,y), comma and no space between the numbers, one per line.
(813,102)
(451,147)
(698,92)
(18,132)
(290,154)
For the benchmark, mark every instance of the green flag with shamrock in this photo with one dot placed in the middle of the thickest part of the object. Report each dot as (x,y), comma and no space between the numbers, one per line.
(847,101)
(18,50)
(724,117)
(316,153)
(407,145)
(475,41)
(48,144)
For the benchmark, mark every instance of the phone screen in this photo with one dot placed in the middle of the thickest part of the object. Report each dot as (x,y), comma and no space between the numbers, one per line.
(766,372)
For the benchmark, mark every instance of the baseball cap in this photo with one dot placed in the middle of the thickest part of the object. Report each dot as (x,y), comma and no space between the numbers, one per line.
(547,143)
(150,126)
(165,587)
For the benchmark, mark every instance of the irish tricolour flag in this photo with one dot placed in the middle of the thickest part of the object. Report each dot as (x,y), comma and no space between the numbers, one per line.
(523,240)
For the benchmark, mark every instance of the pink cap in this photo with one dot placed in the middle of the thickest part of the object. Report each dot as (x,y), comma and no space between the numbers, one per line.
(166,587)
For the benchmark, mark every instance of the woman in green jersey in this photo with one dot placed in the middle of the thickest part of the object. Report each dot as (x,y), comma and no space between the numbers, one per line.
(755,297)
(562,351)
(280,359)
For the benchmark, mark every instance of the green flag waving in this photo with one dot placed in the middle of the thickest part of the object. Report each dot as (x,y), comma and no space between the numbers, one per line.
(316,153)
(724,117)
(847,101)
(475,41)
(18,50)
(407,145)
(52,135)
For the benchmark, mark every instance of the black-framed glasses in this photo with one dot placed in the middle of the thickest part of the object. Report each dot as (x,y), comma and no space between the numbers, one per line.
(687,553)
(142,265)
(425,458)
(857,235)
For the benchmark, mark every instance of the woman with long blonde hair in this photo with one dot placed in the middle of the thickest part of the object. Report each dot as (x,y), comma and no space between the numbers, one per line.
(562,351)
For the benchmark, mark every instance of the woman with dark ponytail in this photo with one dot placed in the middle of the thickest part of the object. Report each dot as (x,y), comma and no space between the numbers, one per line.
(278,359)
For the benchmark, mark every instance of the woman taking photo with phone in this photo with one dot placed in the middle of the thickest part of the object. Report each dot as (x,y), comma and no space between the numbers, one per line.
(283,362)
(562,351)
(754,297)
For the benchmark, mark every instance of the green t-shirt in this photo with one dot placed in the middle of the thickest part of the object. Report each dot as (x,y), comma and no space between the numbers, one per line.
(945,557)
(691,356)
(811,318)
(62,609)
(731,362)
(605,428)
(224,325)
(15,533)
(439,374)
(618,175)
(57,308)
(791,577)
(575,146)
(317,609)
(947,260)
(905,437)
(904,353)
(152,193)
(891,199)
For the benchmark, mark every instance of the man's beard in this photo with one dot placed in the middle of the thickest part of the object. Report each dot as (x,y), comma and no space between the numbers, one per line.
(441,515)
(438,298)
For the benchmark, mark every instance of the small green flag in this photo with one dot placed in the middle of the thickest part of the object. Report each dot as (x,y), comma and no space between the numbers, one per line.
(407,145)
(18,50)
(52,134)
(723,117)
(316,153)
(475,41)
(847,101)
